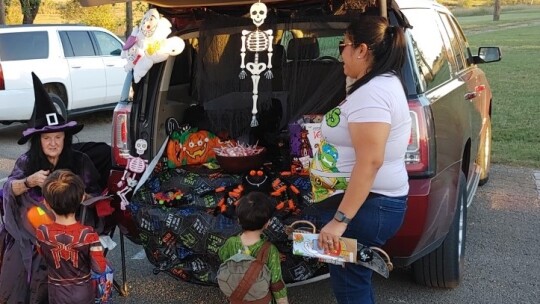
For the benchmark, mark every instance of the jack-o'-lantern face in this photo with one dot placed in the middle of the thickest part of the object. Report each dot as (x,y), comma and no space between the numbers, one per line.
(198,148)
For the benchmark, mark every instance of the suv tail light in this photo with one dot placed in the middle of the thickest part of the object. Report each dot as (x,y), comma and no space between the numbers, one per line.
(120,133)
(2,83)
(420,156)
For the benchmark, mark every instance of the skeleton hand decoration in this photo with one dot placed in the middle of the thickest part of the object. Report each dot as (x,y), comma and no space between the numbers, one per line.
(256,41)
(268,74)
(242,74)
(135,167)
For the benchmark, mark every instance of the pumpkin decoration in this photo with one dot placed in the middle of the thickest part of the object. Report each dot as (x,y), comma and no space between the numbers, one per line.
(199,147)
(175,153)
(191,147)
(37,216)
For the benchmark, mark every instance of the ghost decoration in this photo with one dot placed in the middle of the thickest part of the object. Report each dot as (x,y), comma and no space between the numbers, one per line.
(157,52)
(148,44)
(132,52)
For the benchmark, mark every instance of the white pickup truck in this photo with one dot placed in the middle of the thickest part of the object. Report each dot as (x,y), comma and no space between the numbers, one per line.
(80,67)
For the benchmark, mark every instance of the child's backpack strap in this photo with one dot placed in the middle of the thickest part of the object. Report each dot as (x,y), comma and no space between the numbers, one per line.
(251,276)
(275,287)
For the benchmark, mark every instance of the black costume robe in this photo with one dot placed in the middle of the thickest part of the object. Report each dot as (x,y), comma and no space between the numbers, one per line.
(23,273)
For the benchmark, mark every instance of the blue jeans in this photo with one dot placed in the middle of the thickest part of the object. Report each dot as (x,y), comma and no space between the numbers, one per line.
(378,219)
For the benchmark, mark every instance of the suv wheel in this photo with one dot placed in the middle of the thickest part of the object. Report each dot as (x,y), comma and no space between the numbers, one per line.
(59,105)
(484,155)
(444,266)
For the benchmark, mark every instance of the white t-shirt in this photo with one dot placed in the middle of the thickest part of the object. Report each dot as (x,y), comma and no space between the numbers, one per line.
(382,99)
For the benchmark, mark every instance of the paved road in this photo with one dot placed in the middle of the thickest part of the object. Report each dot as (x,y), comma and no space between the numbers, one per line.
(502,263)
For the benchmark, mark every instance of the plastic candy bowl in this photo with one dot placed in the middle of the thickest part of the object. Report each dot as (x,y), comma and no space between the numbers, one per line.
(241,164)
(37,217)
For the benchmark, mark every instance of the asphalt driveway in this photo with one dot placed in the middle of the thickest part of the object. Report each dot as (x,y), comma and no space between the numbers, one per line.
(502,262)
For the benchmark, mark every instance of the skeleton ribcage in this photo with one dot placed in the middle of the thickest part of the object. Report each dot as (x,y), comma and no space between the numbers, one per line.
(257,41)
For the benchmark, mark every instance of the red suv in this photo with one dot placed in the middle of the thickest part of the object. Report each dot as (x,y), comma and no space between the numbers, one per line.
(449,99)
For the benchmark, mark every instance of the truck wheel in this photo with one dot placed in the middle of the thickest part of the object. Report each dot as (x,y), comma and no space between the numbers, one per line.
(59,105)
(444,266)
(484,155)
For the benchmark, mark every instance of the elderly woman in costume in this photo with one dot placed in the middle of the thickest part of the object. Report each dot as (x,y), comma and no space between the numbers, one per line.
(23,274)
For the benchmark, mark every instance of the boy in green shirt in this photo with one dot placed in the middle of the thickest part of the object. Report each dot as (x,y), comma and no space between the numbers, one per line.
(254,211)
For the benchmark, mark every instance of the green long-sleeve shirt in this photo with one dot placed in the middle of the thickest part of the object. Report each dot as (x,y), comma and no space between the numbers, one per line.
(233,245)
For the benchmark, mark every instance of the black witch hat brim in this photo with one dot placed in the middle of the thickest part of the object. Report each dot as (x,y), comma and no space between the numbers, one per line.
(45,118)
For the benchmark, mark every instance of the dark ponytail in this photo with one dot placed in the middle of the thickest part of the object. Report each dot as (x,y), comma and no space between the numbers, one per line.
(386,42)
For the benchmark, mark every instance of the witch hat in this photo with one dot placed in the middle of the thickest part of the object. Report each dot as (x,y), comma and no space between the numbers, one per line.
(45,118)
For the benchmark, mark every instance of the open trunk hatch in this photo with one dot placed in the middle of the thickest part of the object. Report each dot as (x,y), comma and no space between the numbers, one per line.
(186,4)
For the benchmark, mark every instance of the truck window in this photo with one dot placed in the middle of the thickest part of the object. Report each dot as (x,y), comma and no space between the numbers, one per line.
(108,45)
(429,48)
(81,43)
(459,56)
(24,46)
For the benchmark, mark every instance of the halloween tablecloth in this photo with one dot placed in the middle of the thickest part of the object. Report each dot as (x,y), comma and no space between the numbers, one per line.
(185,214)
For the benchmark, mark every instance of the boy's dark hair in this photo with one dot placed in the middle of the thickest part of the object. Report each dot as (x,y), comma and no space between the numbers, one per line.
(254,210)
(63,191)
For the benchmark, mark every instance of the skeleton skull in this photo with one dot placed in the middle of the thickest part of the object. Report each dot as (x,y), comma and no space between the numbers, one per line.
(258,13)
(140,146)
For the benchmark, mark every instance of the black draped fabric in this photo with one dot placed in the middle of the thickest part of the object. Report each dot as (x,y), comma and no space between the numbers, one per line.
(100,154)
(307,77)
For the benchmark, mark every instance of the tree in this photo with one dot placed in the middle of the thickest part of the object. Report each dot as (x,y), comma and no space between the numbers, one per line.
(102,15)
(30,9)
(2,12)
(129,19)
(497,10)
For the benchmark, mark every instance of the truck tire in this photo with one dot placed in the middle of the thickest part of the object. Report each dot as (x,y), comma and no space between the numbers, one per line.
(59,105)
(484,155)
(444,266)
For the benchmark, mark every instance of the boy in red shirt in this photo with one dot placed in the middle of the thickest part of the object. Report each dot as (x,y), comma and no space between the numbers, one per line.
(70,249)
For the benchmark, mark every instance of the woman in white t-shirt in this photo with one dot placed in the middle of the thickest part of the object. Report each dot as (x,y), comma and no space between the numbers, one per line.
(358,174)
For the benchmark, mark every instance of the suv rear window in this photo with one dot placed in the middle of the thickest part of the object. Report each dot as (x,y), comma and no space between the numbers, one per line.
(24,46)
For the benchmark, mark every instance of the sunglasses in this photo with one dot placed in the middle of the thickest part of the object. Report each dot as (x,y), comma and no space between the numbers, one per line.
(342,46)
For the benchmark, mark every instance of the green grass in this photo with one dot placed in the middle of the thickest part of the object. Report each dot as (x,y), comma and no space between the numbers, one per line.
(486,9)
(508,17)
(514,81)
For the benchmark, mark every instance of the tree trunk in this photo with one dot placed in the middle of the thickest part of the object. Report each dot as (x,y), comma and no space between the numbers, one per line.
(2,12)
(497,10)
(129,19)
(29,9)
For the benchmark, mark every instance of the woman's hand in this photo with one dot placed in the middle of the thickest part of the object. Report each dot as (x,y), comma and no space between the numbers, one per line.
(38,178)
(330,234)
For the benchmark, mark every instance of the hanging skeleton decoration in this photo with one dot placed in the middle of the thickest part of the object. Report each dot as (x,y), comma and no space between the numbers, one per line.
(135,167)
(256,41)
